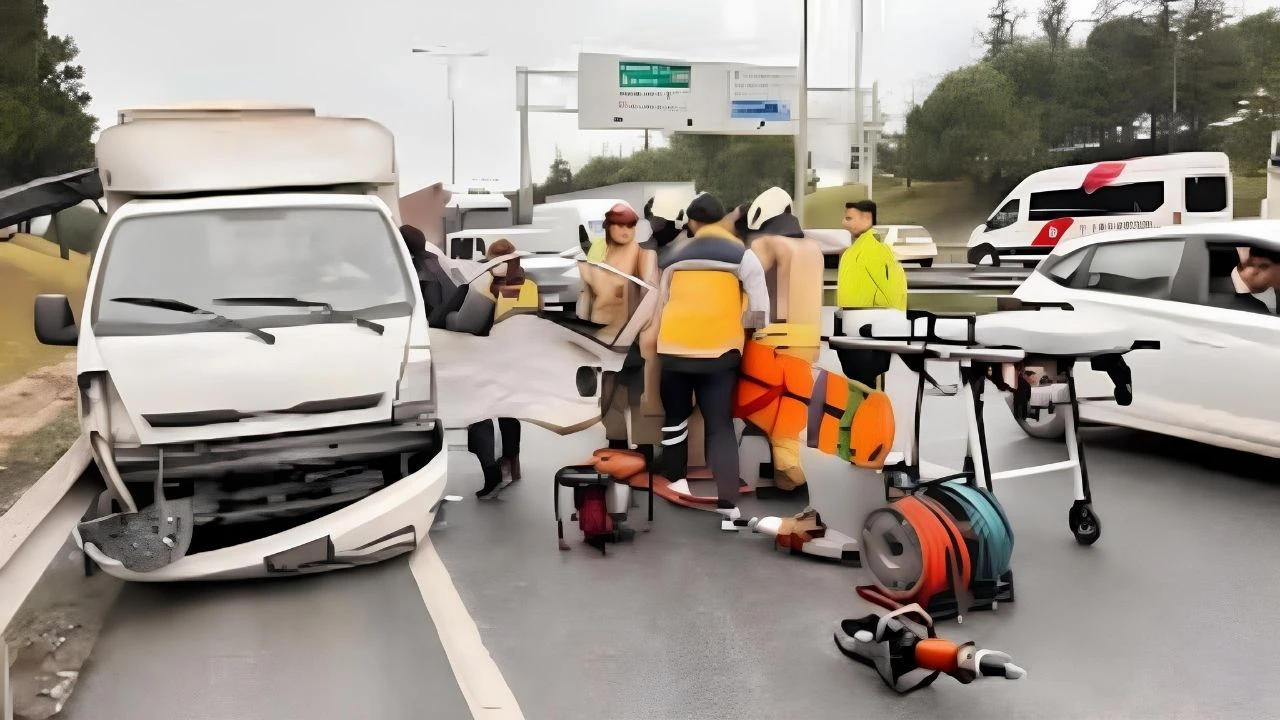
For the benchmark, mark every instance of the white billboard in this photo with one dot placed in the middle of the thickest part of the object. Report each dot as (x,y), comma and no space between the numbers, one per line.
(640,93)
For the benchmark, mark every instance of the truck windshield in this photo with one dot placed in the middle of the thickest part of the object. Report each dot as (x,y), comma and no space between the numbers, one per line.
(346,259)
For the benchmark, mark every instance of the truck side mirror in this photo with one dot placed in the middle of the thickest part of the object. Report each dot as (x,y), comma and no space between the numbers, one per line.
(587,381)
(55,324)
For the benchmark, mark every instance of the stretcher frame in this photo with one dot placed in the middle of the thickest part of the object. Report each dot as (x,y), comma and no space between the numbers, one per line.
(976,362)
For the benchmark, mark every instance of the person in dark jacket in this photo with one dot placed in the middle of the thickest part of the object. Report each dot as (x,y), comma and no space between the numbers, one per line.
(434,281)
(437,287)
(499,471)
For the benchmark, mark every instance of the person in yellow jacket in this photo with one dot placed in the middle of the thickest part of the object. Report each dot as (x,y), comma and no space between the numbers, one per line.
(702,329)
(869,276)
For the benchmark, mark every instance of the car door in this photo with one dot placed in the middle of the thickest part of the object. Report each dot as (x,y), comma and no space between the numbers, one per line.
(1226,357)
(1134,282)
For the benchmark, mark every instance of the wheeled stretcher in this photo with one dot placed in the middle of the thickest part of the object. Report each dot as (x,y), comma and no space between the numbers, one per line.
(1042,340)
(936,536)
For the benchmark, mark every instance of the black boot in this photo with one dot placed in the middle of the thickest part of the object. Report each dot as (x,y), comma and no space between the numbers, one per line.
(492,482)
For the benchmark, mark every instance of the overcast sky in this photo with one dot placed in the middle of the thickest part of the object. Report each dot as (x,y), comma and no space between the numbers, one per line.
(353,58)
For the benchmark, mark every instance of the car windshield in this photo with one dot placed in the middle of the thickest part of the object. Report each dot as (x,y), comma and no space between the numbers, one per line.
(347,258)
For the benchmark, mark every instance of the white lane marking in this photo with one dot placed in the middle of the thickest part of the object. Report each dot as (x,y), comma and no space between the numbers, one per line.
(482,684)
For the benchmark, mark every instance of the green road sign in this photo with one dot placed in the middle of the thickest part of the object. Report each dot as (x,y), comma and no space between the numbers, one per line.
(651,75)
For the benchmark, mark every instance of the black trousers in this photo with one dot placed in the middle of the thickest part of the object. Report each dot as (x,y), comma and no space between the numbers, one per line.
(713,388)
(482,443)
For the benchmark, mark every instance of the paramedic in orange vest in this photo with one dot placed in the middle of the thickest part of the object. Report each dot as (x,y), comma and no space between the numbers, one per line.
(793,268)
(703,326)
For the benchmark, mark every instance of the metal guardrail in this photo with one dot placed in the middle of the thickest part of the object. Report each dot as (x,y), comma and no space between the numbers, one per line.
(31,534)
(955,278)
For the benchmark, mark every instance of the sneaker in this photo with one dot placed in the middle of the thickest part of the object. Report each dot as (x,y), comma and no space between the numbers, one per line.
(730,515)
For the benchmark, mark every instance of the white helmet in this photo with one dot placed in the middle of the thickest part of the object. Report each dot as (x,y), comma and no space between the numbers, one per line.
(772,202)
(671,204)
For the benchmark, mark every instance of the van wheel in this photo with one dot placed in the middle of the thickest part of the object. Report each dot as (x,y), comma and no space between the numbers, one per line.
(982,252)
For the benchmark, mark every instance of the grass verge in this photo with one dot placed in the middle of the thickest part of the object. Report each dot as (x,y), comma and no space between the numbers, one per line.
(31,455)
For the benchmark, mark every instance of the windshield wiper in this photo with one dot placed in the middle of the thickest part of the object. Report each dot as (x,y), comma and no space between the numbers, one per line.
(179,306)
(333,316)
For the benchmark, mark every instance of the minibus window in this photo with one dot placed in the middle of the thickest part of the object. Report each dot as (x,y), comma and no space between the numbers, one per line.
(1206,194)
(1004,217)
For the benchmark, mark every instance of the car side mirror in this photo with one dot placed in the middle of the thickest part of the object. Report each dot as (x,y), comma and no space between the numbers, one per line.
(55,323)
(588,384)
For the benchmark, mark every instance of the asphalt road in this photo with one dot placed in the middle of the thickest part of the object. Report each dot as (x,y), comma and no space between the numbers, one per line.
(1170,615)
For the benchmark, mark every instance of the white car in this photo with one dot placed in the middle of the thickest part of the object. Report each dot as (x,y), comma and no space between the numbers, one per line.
(1211,382)
(911,244)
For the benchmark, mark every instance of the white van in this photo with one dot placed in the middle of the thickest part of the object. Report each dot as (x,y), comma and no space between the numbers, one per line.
(580,219)
(471,244)
(476,210)
(1182,188)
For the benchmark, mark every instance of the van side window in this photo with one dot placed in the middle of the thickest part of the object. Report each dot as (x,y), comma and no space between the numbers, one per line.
(1206,194)
(1005,216)
(1143,197)
(1144,268)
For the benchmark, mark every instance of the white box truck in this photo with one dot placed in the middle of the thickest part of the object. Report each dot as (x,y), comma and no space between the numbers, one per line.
(258,384)
(255,373)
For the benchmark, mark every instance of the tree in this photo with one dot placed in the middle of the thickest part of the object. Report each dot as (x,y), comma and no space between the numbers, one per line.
(1130,50)
(735,169)
(44,128)
(1055,24)
(1210,65)
(973,125)
(1002,28)
(1247,141)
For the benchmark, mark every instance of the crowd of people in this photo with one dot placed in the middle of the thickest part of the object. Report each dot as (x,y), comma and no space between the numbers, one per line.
(715,268)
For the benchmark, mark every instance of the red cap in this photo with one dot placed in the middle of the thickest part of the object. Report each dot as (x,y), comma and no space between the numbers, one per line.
(621,214)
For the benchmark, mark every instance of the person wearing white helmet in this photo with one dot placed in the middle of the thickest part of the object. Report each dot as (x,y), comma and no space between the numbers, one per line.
(793,265)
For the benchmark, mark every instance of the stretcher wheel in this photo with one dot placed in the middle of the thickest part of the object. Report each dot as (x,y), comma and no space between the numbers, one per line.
(1085,523)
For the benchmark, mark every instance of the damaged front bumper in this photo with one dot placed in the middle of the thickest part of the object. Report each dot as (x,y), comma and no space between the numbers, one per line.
(151,544)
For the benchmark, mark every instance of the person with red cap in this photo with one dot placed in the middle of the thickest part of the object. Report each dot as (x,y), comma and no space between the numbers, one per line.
(610,300)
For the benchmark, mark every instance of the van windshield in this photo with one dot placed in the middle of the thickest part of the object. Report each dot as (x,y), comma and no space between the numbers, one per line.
(347,258)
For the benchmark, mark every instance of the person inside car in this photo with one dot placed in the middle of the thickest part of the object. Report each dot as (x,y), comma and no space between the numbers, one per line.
(1258,271)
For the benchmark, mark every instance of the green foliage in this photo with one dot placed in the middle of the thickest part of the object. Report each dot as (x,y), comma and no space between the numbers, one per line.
(1002,117)
(735,169)
(44,129)
(973,125)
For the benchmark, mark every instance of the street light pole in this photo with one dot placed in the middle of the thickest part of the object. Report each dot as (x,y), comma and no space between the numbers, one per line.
(450,62)
(802,120)
(859,129)
(1173,114)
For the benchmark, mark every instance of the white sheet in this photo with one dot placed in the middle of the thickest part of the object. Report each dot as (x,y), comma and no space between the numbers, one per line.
(526,368)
